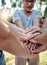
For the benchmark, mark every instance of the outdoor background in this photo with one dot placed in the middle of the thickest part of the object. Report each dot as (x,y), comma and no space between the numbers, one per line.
(7,8)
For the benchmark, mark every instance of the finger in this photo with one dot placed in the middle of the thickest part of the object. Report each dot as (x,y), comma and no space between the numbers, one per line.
(39,49)
(34,46)
(29,45)
(34,30)
(31,28)
(32,49)
(24,37)
(30,36)
(34,35)
(27,49)
(33,41)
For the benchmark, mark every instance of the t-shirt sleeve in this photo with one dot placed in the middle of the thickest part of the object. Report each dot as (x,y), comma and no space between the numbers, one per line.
(16,16)
(38,14)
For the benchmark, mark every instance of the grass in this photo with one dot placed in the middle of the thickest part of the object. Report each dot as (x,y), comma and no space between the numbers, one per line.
(10,59)
(43,58)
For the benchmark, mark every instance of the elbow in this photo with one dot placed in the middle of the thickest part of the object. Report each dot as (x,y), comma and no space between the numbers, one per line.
(5,35)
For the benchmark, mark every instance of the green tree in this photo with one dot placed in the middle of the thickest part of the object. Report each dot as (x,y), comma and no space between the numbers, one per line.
(40,2)
(14,5)
(3,3)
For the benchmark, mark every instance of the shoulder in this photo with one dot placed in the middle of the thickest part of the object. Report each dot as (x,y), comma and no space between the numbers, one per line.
(17,15)
(37,11)
(18,12)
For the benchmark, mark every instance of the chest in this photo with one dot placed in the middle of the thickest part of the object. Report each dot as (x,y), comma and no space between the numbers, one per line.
(28,21)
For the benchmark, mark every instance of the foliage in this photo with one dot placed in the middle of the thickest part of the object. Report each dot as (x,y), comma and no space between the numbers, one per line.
(43,58)
(40,2)
(9,58)
(18,3)
(14,5)
(3,2)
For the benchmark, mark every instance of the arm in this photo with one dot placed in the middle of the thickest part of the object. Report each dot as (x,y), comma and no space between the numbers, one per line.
(19,32)
(4,31)
(43,37)
(37,21)
(35,25)
(11,43)
(19,23)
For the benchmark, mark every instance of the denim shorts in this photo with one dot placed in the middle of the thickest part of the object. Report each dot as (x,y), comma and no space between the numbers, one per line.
(2,60)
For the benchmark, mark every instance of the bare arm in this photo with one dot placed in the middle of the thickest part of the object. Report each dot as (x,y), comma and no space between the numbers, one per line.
(43,37)
(19,32)
(11,43)
(4,31)
(19,23)
(37,21)
(35,25)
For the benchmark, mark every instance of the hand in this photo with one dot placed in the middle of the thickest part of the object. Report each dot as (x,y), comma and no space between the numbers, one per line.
(33,29)
(38,49)
(34,48)
(29,46)
(25,37)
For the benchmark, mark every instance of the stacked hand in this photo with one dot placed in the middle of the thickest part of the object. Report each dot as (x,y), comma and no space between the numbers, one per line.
(29,33)
(32,46)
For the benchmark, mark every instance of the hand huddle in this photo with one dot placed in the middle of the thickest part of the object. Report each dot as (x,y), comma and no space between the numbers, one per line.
(32,46)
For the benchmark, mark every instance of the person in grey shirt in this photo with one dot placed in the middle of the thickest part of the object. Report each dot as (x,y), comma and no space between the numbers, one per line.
(26,18)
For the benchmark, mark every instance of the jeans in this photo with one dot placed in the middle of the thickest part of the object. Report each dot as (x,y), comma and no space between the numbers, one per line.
(2,60)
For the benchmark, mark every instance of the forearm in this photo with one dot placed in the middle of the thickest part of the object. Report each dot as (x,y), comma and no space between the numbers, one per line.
(12,45)
(37,21)
(19,23)
(42,38)
(4,31)
(13,27)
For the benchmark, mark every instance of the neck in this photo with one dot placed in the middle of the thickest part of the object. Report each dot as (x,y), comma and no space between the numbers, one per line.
(27,13)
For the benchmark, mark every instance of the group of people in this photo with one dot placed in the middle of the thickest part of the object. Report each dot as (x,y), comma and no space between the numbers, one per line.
(24,38)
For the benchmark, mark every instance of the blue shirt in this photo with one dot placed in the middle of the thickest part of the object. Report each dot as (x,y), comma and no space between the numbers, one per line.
(27,21)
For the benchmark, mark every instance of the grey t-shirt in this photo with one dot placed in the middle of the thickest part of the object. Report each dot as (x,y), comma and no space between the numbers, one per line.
(27,21)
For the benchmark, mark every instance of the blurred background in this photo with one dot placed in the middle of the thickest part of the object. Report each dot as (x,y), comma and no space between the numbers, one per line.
(7,8)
